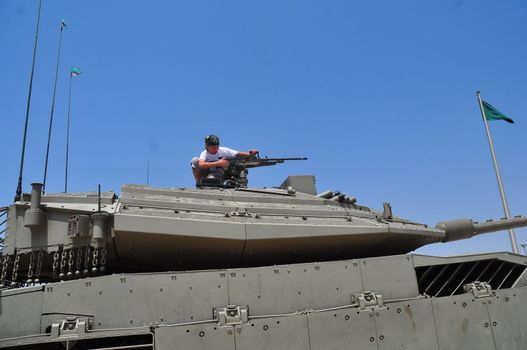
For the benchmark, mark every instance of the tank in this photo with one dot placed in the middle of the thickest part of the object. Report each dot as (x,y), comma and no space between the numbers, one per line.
(227,266)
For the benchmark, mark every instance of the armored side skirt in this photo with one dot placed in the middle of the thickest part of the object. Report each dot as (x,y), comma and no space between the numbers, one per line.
(403,302)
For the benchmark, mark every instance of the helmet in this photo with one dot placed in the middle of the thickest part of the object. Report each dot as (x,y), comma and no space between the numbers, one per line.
(212,140)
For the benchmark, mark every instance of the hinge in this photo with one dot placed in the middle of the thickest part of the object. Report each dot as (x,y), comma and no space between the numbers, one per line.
(231,315)
(240,212)
(368,300)
(71,326)
(478,289)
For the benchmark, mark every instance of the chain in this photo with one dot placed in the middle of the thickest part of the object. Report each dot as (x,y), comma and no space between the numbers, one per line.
(70,262)
(15,270)
(103,259)
(87,256)
(79,261)
(55,265)
(30,267)
(39,266)
(5,267)
(95,259)
(63,262)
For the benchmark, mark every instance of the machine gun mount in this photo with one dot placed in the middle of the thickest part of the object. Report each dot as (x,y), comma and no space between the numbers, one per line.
(235,175)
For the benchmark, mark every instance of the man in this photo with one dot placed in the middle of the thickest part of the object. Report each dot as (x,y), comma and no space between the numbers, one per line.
(214,157)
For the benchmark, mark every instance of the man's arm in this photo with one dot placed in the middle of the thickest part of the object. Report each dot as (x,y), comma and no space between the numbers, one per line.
(203,164)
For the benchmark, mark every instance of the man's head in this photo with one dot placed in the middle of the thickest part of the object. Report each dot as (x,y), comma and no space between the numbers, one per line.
(212,143)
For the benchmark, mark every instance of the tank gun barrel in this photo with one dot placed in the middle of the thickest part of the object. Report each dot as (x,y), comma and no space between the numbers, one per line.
(466,228)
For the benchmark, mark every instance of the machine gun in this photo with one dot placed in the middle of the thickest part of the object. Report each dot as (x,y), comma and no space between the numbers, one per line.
(235,175)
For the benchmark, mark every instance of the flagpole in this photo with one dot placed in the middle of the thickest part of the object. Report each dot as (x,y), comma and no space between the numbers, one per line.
(512,235)
(62,25)
(19,186)
(68,137)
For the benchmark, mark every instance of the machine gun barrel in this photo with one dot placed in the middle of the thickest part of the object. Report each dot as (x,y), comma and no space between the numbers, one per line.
(254,162)
(466,228)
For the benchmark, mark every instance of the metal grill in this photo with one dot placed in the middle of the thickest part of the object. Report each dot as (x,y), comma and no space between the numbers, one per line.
(448,279)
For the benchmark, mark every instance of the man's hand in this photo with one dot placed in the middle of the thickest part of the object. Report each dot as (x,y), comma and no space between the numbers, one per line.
(224,163)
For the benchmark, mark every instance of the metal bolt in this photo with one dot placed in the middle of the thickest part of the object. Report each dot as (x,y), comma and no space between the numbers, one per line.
(372,339)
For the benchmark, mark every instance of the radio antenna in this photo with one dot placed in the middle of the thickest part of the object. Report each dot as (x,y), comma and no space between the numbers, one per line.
(148,172)
(19,186)
(62,26)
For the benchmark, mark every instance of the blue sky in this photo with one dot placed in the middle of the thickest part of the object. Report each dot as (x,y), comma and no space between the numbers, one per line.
(380,95)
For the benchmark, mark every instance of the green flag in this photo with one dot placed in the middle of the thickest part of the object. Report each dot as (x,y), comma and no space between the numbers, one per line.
(74,71)
(492,113)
